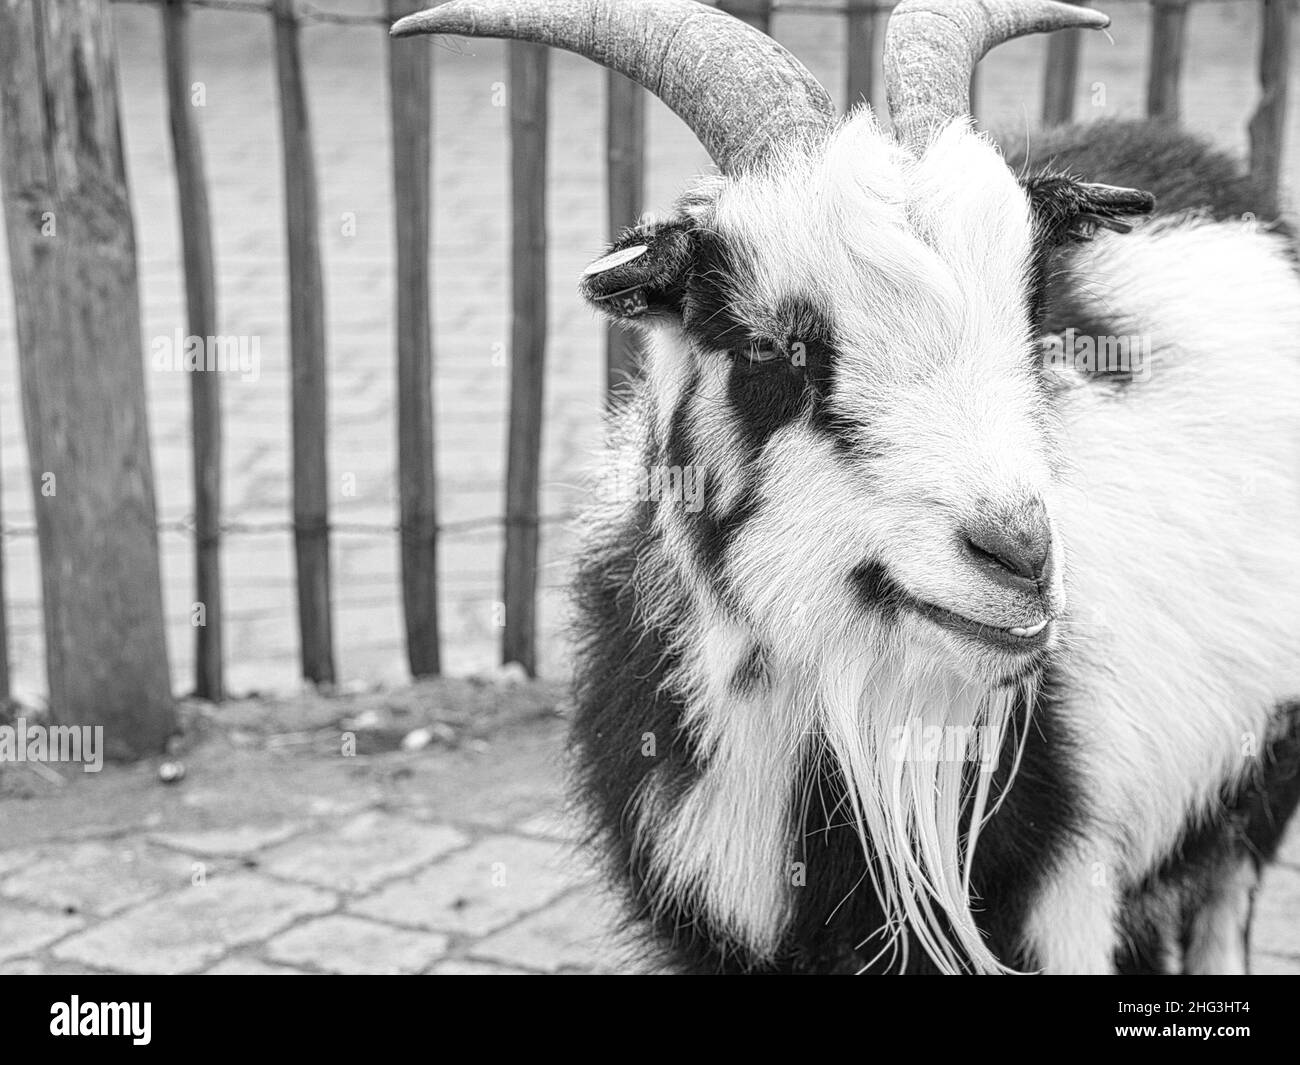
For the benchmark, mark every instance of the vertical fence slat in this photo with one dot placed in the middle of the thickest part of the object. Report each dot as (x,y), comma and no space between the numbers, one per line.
(529,66)
(201,315)
(758,13)
(860,51)
(76,287)
(625,191)
(1168,42)
(410,110)
(1268,124)
(307,357)
(1061,76)
(6,687)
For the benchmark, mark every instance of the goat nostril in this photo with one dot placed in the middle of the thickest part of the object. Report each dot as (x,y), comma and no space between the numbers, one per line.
(1022,550)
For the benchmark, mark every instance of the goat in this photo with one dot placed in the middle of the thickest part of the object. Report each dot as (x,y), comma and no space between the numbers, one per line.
(968,657)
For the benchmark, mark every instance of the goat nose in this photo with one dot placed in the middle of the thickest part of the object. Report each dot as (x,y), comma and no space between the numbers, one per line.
(1020,547)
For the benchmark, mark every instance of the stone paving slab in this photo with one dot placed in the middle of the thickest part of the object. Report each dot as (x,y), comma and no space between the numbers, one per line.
(469,967)
(552,824)
(196,926)
(346,944)
(16,859)
(477,890)
(362,852)
(97,876)
(226,842)
(244,965)
(24,929)
(46,966)
(546,940)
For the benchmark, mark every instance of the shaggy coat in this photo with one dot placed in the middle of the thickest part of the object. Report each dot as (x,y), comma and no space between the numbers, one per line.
(817,730)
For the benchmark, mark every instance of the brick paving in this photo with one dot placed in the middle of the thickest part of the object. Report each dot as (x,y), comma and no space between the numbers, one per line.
(268,858)
(276,854)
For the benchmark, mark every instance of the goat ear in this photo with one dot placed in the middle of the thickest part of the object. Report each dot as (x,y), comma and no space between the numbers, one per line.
(1070,210)
(643,275)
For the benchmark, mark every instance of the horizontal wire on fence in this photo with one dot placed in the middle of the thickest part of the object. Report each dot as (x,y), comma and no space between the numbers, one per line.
(371,528)
(312,13)
(303,12)
(255,7)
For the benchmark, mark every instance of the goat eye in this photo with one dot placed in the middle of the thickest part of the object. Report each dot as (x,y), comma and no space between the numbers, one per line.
(760,351)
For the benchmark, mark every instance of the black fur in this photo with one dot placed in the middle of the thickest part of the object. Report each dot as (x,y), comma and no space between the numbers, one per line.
(1070,211)
(657,277)
(1180,170)
(621,701)
(752,675)
(766,395)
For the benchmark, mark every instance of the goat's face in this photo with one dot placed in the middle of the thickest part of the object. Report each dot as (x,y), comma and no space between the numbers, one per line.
(842,345)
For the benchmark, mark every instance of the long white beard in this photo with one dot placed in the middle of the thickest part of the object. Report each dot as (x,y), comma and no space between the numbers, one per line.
(903,734)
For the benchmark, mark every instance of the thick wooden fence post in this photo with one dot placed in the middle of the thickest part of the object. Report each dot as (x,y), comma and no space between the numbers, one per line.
(1268,124)
(1168,41)
(529,66)
(307,356)
(81,360)
(205,385)
(625,185)
(410,105)
(1061,76)
(860,51)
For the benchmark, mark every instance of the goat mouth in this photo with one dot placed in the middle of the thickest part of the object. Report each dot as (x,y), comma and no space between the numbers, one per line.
(1016,639)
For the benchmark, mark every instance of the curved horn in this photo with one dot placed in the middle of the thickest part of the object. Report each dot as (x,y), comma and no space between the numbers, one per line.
(737,89)
(932,46)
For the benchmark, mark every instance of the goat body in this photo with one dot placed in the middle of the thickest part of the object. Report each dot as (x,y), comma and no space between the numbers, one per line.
(1149,772)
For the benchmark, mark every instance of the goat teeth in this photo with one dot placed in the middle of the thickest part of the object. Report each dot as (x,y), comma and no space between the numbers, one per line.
(1032,630)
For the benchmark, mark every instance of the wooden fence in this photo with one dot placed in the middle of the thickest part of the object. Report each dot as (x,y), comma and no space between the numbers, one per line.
(41,105)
